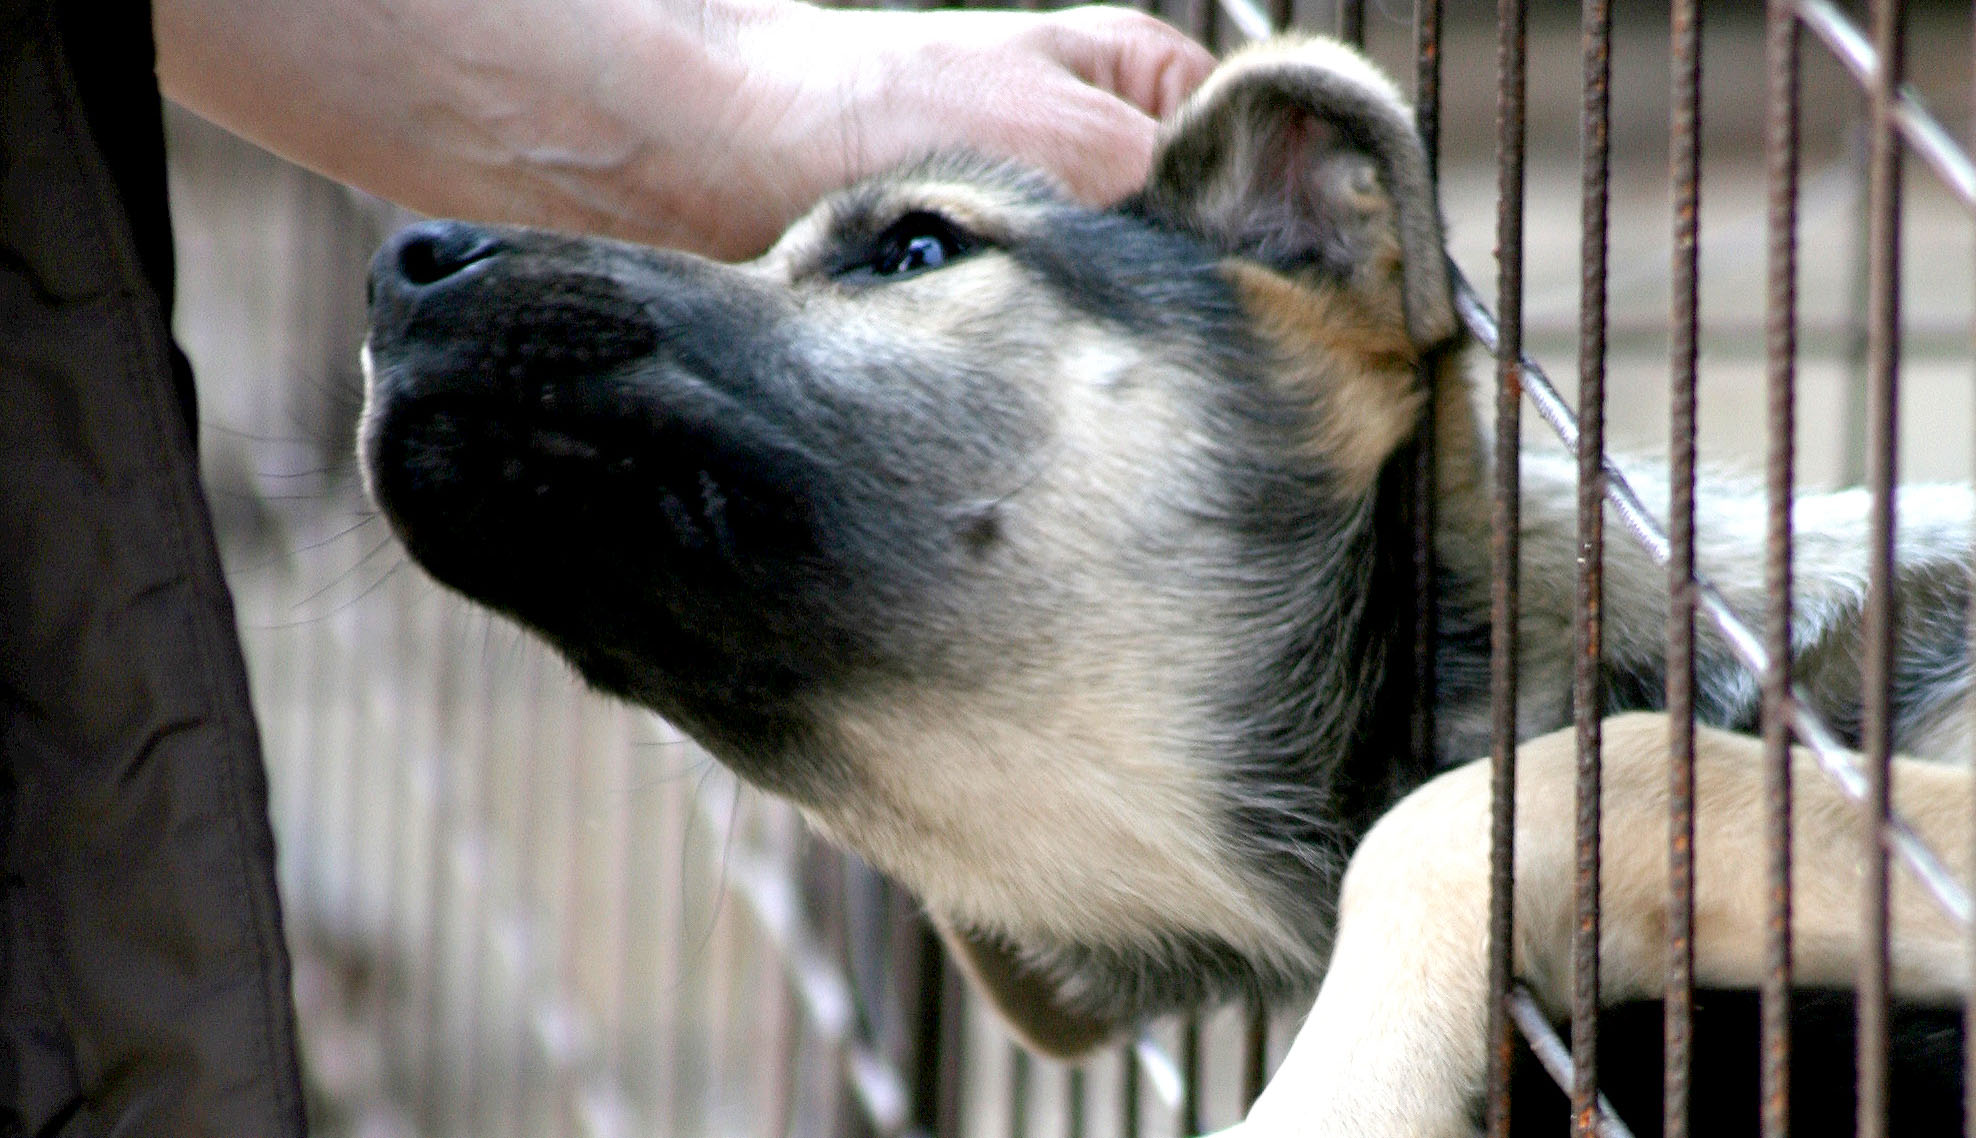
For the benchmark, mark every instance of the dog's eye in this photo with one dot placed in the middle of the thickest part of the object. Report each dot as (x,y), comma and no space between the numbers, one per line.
(915,243)
(920,251)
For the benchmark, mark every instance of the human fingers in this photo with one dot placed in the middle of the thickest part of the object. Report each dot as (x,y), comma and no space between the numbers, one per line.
(1129,54)
(1098,144)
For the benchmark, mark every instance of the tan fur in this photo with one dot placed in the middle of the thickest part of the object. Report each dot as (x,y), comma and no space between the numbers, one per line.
(1069,859)
(1347,353)
(1395,1043)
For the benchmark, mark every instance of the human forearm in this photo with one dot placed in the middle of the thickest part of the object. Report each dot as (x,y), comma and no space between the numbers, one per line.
(706,124)
(539,111)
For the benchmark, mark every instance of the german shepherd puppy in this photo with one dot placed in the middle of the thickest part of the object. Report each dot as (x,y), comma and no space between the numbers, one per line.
(1051,558)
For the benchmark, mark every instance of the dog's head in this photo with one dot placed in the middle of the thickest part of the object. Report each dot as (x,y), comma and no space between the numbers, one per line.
(1032,549)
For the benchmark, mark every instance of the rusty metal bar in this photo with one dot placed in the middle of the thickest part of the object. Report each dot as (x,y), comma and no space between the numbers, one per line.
(1511,49)
(1685,153)
(1588,697)
(1883,366)
(1427,82)
(1781,316)
(1427,120)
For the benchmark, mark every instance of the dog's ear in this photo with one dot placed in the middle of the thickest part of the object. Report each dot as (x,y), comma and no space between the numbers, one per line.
(1302,156)
(1030,1002)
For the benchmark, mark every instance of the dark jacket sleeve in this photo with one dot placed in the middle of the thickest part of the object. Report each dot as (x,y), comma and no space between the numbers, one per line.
(143,979)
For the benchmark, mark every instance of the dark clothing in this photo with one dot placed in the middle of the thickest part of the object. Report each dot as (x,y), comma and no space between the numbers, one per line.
(143,979)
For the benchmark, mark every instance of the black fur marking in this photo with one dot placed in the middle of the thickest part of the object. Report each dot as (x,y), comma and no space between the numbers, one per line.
(1147,281)
(1461,650)
(1630,686)
(600,441)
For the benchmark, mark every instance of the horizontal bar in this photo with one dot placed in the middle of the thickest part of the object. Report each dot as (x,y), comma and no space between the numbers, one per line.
(1248,18)
(1551,1052)
(1922,130)
(1160,1070)
(1833,757)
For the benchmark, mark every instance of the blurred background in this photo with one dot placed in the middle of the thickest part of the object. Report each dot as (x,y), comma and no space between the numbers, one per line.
(519,909)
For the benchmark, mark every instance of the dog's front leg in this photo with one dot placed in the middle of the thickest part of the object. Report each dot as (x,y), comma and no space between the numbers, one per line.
(1395,1045)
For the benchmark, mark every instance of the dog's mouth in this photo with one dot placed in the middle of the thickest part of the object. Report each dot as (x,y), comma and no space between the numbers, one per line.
(541,443)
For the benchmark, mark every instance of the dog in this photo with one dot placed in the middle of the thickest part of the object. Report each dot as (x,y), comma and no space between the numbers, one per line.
(1054,559)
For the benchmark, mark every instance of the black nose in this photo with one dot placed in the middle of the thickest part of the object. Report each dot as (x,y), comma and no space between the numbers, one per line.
(430,252)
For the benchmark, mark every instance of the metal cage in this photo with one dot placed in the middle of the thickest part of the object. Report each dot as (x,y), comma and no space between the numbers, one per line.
(519,911)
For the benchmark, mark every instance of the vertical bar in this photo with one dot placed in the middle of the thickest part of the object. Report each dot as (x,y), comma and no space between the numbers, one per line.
(1504,523)
(1018,1091)
(1853,417)
(1074,1112)
(1207,23)
(1427,80)
(1282,13)
(936,1070)
(1255,1055)
(953,1047)
(1128,1090)
(436,895)
(1427,120)
(477,789)
(1190,1075)
(1685,172)
(785,1052)
(1969,635)
(1883,368)
(1587,696)
(1781,331)
(1351,22)
(664,1072)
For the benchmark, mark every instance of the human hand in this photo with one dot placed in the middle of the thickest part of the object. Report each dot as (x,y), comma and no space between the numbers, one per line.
(703,124)
(831,95)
